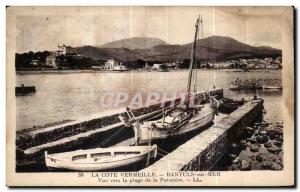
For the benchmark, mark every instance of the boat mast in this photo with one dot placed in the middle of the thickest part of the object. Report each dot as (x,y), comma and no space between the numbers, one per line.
(192,62)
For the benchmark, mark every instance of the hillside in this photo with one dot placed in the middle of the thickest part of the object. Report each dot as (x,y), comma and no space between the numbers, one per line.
(135,43)
(121,54)
(215,48)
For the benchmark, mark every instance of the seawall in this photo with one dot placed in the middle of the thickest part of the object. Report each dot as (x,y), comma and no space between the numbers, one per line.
(201,152)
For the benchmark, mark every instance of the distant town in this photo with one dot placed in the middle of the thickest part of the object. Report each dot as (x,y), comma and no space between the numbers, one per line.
(64,59)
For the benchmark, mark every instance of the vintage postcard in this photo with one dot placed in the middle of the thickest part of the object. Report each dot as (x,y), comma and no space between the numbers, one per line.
(150,96)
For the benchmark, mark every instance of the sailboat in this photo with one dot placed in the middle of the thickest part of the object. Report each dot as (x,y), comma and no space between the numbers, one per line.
(100,159)
(177,121)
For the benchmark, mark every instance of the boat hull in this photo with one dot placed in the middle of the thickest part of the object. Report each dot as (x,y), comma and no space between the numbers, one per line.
(199,123)
(60,163)
(25,90)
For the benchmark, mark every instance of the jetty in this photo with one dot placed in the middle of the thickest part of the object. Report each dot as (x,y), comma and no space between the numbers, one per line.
(202,152)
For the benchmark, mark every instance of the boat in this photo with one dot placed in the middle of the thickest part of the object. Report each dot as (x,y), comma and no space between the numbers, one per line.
(234,87)
(177,121)
(24,90)
(271,87)
(173,124)
(251,84)
(227,105)
(100,159)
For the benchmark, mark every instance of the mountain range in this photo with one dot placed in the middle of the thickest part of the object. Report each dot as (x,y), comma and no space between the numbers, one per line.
(214,48)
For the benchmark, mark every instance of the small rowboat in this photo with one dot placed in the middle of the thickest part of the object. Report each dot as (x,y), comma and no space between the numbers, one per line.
(100,159)
(227,105)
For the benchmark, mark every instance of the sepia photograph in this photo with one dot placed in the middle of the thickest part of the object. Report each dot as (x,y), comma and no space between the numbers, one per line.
(150,96)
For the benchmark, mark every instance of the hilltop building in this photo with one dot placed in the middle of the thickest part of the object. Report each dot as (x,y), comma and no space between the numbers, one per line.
(62,50)
(51,60)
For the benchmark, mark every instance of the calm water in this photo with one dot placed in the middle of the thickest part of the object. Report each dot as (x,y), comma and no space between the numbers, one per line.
(69,96)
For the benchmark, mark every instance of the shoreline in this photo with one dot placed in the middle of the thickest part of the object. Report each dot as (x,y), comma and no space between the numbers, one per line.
(136,71)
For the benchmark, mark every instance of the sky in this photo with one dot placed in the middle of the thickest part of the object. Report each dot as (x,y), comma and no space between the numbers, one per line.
(43,28)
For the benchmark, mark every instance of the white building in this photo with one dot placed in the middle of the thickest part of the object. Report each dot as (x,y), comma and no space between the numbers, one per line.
(62,50)
(110,64)
(51,61)
(113,65)
(157,66)
(120,68)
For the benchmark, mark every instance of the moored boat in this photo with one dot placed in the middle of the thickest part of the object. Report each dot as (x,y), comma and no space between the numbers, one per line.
(227,105)
(100,159)
(234,87)
(174,124)
(271,87)
(24,90)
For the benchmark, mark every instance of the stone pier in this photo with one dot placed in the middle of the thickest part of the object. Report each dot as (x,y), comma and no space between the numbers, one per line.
(202,151)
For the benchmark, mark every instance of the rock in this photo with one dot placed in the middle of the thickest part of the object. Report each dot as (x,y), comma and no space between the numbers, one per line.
(265,124)
(276,167)
(254,148)
(281,163)
(266,165)
(271,133)
(245,165)
(268,145)
(252,140)
(271,136)
(277,143)
(235,146)
(279,138)
(277,161)
(262,138)
(232,156)
(249,131)
(236,160)
(274,149)
(263,132)
(244,144)
(259,158)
